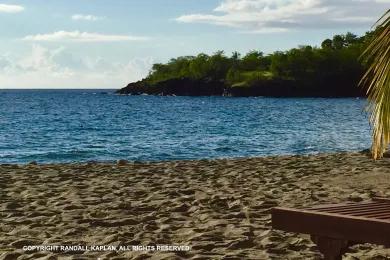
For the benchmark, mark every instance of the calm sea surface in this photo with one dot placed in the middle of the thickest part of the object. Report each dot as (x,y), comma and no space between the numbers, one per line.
(82,125)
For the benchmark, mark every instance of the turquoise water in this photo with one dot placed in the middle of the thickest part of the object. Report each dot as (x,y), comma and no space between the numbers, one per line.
(83,125)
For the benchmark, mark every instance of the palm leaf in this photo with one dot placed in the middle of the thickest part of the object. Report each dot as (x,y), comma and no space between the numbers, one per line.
(377,81)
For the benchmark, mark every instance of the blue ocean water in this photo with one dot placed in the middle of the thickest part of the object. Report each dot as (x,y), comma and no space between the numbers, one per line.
(83,125)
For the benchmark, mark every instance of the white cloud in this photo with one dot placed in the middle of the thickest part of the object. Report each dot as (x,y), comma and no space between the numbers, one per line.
(86,17)
(77,36)
(58,68)
(5,8)
(263,16)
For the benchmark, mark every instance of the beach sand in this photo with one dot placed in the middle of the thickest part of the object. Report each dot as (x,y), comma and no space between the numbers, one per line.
(220,208)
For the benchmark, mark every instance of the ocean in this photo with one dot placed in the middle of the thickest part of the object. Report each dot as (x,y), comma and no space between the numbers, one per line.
(50,126)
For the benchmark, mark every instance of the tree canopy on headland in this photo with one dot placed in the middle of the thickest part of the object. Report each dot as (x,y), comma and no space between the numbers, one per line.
(332,69)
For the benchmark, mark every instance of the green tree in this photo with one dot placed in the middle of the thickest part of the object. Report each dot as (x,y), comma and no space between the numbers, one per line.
(338,42)
(219,65)
(199,66)
(253,61)
(279,66)
(350,39)
(326,44)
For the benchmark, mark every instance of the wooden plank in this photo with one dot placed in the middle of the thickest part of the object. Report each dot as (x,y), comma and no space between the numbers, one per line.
(367,213)
(358,210)
(375,200)
(381,215)
(332,225)
(354,206)
(341,205)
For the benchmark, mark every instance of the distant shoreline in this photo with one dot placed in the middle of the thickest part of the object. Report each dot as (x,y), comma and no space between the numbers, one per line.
(147,162)
(268,88)
(332,70)
(124,92)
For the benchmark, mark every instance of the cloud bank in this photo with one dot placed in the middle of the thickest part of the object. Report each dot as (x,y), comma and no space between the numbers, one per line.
(5,8)
(283,15)
(60,68)
(77,36)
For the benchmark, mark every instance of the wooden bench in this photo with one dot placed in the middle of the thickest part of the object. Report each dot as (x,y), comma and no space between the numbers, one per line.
(335,227)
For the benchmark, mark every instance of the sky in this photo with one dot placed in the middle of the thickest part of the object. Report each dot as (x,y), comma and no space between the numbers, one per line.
(107,44)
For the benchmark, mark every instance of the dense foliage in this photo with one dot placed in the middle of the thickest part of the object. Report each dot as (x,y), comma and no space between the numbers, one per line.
(336,57)
(331,70)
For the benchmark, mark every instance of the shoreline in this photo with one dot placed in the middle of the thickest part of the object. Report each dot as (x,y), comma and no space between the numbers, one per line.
(126,161)
(219,208)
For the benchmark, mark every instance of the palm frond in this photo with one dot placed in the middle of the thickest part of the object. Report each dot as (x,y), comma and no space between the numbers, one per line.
(377,81)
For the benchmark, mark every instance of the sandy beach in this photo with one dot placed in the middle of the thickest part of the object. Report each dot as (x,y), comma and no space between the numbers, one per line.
(219,208)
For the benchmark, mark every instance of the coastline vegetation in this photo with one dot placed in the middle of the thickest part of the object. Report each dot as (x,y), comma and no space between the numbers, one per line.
(333,69)
(336,55)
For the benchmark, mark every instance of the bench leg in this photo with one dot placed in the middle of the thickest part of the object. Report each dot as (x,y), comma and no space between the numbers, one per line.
(332,249)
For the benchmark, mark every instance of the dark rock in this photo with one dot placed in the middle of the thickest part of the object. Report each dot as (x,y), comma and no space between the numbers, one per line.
(294,88)
(176,87)
(333,87)
(91,162)
(122,162)
(366,152)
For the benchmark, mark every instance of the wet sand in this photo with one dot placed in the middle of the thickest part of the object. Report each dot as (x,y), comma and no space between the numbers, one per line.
(220,208)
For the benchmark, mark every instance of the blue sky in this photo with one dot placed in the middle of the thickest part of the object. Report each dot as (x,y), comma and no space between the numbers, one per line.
(106,44)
